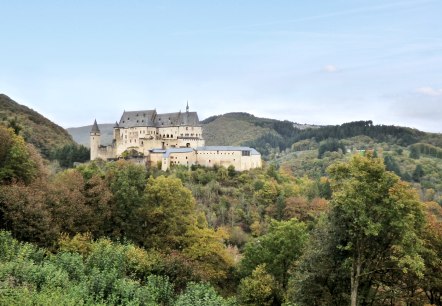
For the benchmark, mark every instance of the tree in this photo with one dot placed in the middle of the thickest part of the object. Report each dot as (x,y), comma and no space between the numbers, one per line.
(418,173)
(166,214)
(258,289)
(432,281)
(377,221)
(18,160)
(207,251)
(414,152)
(278,249)
(127,182)
(201,294)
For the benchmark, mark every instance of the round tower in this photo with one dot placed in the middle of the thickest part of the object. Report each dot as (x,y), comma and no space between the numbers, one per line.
(95,138)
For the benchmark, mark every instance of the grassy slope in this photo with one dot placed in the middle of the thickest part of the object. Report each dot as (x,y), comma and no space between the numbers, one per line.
(35,128)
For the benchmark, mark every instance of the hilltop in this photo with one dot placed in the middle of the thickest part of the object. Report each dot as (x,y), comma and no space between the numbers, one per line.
(35,128)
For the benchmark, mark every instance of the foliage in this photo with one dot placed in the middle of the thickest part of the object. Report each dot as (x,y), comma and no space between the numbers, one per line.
(18,161)
(330,145)
(260,288)
(278,249)
(70,153)
(201,294)
(369,202)
(33,127)
(103,276)
(167,214)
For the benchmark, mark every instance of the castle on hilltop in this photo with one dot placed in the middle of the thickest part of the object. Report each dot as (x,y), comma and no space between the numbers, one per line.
(169,139)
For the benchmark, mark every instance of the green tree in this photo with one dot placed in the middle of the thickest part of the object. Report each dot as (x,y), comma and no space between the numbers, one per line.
(418,173)
(377,221)
(415,152)
(166,214)
(260,288)
(201,294)
(277,249)
(127,182)
(18,160)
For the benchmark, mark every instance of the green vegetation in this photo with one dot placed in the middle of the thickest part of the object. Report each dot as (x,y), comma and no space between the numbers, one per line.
(35,129)
(331,220)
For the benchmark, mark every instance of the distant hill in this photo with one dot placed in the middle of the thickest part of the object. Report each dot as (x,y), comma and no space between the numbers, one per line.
(233,129)
(81,134)
(44,134)
(228,129)
(270,135)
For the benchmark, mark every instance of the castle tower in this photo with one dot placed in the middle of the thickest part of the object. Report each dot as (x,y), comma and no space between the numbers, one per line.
(95,138)
(117,137)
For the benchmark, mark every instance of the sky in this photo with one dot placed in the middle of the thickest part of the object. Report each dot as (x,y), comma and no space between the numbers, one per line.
(316,62)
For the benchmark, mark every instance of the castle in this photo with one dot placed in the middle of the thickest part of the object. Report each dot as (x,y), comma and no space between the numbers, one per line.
(166,140)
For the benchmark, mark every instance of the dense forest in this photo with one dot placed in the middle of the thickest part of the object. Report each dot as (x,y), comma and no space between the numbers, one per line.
(313,227)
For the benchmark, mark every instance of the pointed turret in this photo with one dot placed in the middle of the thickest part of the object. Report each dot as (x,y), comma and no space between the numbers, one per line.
(95,128)
(187,107)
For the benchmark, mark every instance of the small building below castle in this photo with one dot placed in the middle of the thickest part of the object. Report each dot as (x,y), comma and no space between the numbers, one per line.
(242,158)
(170,139)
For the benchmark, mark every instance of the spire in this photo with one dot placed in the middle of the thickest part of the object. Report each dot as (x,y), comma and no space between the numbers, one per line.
(95,128)
(187,107)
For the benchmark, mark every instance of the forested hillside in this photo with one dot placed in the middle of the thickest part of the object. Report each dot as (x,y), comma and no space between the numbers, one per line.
(50,140)
(35,129)
(310,228)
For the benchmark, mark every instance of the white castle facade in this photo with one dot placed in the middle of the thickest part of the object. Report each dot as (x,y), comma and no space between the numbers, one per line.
(168,139)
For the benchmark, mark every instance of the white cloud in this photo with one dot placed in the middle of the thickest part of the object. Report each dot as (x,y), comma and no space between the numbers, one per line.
(330,68)
(430,91)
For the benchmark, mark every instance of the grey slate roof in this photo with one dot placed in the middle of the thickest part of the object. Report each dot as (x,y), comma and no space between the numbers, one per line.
(166,153)
(228,148)
(177,150)
(153,119)
(95,128)
(137,118)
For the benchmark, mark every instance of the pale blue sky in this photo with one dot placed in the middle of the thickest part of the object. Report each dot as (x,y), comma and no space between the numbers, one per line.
(321,62)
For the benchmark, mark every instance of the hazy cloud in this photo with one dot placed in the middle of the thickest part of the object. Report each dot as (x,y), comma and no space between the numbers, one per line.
(330,68)
(430,91)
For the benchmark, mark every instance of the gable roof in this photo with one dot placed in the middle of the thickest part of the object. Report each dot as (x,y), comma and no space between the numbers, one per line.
(153,119)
